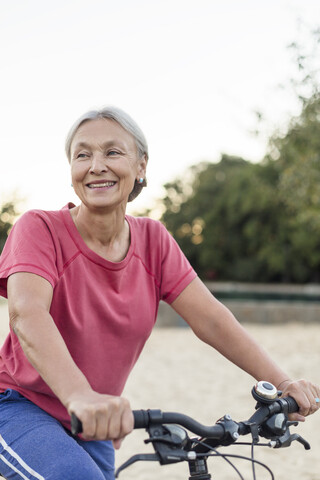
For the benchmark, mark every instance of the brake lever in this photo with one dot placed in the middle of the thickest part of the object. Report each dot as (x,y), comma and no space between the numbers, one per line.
(304,442)
(168,442)
(147,457)
(287,439)
(164,457)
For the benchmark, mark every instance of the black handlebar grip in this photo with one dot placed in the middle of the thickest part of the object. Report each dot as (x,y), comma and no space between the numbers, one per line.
(76,425)
(292,405)
(141,418)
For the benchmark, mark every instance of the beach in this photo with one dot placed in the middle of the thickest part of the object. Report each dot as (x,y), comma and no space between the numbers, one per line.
(177,372)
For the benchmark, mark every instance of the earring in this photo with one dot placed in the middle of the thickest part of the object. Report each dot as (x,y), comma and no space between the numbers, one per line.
(141,180)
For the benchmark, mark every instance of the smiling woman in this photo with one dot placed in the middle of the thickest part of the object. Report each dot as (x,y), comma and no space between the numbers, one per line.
(105,164)
(83,285)
(128,124)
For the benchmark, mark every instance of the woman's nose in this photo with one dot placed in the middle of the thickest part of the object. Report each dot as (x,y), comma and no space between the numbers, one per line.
(98,165)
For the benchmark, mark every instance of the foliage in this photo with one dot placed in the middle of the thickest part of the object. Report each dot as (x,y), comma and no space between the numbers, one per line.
(236,220)
(225,219)
(299,188)
(254,222)
(8,214)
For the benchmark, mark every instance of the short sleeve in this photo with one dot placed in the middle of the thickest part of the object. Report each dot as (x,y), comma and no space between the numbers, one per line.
(29,248)
(176,271)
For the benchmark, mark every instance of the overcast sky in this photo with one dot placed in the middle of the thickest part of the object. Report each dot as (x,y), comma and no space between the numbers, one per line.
(191,73)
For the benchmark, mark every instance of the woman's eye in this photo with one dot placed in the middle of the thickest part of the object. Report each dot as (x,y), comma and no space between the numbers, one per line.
(82,155)
(112,153)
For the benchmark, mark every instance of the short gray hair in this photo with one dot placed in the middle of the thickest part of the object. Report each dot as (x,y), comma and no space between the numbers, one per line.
(126,122)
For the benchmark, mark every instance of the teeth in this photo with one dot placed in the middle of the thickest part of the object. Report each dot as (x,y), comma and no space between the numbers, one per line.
(101,185)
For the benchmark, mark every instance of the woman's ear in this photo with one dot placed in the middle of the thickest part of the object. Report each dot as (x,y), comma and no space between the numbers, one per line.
(142,169)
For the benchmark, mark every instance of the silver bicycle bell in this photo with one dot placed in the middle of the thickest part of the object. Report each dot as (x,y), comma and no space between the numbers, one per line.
(265,391)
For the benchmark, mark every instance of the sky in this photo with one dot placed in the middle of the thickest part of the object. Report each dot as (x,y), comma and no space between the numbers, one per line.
(191,73)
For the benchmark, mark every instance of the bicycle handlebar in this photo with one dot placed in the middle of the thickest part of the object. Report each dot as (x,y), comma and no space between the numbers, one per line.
(172,444)
(143,418)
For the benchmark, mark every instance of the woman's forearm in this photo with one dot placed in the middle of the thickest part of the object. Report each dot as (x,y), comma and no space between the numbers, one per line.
(103,416)
(227,336)
(46,350)
(213,323)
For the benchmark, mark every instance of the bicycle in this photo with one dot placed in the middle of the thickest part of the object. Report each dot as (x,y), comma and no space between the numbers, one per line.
(172,444)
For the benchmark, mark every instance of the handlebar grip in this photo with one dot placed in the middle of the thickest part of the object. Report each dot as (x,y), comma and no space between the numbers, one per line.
(145,418)
(141,418)
(292,405)
(76,425)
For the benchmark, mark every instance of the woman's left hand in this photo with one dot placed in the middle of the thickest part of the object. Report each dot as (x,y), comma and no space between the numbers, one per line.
(305,393)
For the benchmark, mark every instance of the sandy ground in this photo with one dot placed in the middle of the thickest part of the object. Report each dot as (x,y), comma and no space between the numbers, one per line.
(177,372)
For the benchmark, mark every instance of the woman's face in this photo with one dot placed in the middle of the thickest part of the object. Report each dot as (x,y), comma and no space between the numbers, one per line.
(104,163)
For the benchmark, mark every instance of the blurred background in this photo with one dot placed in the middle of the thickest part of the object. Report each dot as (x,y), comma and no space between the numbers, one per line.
(227,94)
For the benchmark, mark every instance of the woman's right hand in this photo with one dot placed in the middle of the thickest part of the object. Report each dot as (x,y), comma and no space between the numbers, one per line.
(103,417)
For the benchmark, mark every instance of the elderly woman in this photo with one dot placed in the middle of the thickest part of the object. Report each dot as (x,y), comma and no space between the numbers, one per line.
(83,287)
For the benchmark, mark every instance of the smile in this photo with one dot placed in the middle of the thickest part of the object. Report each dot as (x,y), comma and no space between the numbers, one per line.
(101,185)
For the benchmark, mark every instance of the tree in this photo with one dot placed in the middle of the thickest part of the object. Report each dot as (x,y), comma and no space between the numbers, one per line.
(8,214)
(224,224)
(236,220)
(297,156)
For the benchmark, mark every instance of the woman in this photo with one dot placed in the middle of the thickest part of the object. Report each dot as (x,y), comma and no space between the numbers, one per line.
(83,287)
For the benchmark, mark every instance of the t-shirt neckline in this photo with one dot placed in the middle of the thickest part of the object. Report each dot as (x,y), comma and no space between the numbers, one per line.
(83,247)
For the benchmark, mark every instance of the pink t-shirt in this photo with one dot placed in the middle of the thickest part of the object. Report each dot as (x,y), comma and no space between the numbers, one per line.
(105,311)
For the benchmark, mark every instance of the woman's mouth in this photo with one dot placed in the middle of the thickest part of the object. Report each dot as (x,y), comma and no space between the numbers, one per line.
(101,185)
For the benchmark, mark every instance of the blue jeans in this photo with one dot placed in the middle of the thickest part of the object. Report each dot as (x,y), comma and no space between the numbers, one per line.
(35,446)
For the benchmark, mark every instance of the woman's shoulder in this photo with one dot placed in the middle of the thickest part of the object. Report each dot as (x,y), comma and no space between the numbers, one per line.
(145,224)
(33,214)
(39,218)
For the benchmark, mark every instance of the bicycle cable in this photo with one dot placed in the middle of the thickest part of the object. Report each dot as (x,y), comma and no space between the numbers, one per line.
(241,457)
(253,464)
(218,454)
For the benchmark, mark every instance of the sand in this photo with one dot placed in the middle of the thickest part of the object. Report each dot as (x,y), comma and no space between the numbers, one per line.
(177,372)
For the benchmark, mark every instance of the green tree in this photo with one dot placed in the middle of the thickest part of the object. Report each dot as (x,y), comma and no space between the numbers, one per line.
(224,225)
(257,222)
(8,214)
(297,158)
(254,222)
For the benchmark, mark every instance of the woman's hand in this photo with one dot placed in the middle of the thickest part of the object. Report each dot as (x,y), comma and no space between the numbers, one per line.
(103,417)
(305,394)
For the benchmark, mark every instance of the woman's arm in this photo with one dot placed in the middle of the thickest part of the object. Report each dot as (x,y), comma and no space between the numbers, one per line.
(29,299)
(213,323)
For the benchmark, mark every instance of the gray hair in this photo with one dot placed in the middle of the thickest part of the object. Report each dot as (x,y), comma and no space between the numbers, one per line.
(126,122)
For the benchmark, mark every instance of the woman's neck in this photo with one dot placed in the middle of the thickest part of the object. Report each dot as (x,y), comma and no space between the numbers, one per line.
(106,233)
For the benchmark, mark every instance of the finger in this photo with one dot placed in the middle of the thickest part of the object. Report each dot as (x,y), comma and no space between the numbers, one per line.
(301,391)
(315,405)
(117,443)
(127,427)
(114,425)
(123,423)
(127,421)
(311,395)
(296,417)
(101,425)
(89,425)
(302,401)
(316,393)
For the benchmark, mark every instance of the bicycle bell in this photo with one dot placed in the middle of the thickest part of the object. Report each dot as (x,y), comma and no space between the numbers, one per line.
(264,392)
